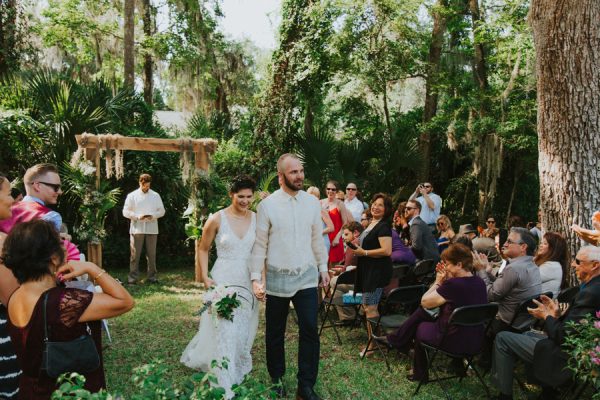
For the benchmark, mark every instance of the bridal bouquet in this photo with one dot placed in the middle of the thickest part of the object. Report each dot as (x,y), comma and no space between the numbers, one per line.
(220,301)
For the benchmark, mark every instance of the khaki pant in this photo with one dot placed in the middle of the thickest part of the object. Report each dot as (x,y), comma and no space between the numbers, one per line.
(136,241)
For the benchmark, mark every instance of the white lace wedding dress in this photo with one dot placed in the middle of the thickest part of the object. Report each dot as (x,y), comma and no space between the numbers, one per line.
(218,338)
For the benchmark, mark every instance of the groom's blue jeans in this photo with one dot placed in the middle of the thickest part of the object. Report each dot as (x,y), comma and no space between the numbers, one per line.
(306,306)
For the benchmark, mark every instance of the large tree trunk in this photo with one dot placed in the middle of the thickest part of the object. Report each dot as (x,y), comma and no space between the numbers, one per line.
(567,42)
(431,94)
(148,65)
(128,43)
(8,33)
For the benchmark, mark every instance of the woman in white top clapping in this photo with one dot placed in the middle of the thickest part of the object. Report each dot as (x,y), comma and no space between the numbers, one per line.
(552,260)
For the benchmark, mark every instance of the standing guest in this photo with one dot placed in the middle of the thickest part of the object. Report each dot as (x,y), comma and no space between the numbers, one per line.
(327,222)
(9,368)
(515,221)
(591,236)
(536,228)
(33,252)
(290,247)
(444,227)
(455,286)
(43,186)
(490,223)
(352,203)
(550,362)
(431,203)
(422,242)
(552,260)
(143,207)
(340,216)
(374,262)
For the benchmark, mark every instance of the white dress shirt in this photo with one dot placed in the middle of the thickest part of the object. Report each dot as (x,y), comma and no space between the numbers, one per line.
(289,242)
(139,204)
(356,208)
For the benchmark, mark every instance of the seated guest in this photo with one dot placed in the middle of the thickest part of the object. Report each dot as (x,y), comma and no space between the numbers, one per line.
(374,264)
(455,286)
(422,242)
(33,252)
(518,281)
(491,230)
(544,352)
(444,227)
(400,253)
(486,244)
(365,218)
(400,224)
(552,260)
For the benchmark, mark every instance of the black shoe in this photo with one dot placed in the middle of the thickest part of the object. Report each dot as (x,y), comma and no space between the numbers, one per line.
(306,393)
(383,340)
(278,389)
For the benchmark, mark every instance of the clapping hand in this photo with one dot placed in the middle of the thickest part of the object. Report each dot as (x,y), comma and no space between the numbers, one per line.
(546,308)
(441,273)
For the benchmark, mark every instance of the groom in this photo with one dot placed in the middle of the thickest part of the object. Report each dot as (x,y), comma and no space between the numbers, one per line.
(289,246)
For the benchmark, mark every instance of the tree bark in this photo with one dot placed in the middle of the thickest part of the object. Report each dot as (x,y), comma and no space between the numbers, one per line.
(148,64)
(128,43)
(431,94)
(566,34)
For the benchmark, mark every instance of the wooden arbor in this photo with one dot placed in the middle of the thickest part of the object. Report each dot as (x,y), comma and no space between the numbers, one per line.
(95,144)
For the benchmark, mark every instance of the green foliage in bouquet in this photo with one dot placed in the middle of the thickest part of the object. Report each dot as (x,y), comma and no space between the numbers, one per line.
(583,346)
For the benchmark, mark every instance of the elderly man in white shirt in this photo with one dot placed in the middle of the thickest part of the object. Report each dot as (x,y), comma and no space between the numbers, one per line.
(143,207)
(352,203)
(289,251)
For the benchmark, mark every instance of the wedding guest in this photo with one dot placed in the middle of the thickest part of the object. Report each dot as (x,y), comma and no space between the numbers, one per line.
(365,218)
(33,252)
(9,368)
(552,260)
(327,222)
(340,216)
(374,262)
(455,286)
(446,233)
(340,195)
(352,202)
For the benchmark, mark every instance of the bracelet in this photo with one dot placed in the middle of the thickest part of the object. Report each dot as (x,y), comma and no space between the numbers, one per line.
(99,275)
(366,253)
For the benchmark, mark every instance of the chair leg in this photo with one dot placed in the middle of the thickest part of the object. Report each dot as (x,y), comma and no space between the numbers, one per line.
(328,307)
(479,376)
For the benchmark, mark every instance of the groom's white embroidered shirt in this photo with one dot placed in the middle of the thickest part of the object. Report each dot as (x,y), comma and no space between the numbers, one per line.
(289,239)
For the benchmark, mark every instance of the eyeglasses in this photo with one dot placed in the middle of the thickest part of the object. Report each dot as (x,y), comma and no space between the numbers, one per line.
(426,186)
(364,219)
(55,186)
(579,262)
(409,208)
(331,189)
(508,241)
(440,223)
(352,189)
(491,222)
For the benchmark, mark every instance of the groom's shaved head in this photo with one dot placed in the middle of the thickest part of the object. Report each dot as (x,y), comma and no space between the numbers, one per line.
(282,161)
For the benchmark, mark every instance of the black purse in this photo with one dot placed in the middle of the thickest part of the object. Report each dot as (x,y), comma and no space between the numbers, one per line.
(79,355)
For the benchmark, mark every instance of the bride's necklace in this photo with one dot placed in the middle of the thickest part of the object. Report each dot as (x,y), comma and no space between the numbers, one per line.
(234,215)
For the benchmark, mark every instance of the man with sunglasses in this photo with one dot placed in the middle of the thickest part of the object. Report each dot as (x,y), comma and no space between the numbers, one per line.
(544,352)
(431,203)
(42,186)
(352,203)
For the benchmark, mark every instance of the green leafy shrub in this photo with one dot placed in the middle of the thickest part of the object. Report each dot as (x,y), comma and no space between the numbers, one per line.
(583,346)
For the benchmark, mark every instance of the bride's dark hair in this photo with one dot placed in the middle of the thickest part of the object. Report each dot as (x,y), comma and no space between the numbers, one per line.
(241,182)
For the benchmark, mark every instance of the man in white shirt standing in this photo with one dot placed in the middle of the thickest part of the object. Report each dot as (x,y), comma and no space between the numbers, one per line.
(352,203)
(289,251)
(431,203)
(143,207)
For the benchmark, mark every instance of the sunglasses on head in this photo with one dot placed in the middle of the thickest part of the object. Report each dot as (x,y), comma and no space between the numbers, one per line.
(55,186)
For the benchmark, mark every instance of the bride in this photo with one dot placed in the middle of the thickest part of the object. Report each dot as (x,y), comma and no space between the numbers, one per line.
(233,230)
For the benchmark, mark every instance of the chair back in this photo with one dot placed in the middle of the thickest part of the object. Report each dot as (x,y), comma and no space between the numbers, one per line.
(406,295)
(346,278)
(480,314)
(424,267)
(567,295)
(522,313)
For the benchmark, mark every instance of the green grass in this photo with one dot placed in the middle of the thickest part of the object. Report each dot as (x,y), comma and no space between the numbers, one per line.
(162,323)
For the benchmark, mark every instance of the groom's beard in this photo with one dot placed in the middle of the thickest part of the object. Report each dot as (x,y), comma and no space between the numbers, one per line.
(293,186)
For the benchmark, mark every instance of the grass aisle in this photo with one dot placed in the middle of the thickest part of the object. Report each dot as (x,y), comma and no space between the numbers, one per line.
(163,322)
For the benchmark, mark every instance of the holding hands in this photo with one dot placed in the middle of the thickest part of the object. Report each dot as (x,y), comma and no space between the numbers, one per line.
(259,290)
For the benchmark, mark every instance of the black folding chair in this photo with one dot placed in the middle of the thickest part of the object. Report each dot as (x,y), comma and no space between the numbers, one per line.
(406,297)
(424,272)
(478,315)
(568,295)
(522,321)
(345,278)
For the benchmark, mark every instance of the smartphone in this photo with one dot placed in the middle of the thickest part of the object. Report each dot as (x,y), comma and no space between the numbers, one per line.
(351,245)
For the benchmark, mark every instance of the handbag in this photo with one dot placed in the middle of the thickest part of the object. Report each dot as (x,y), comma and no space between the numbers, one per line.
(79,355)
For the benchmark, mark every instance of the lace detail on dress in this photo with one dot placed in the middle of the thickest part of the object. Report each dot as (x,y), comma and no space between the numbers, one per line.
(72,304)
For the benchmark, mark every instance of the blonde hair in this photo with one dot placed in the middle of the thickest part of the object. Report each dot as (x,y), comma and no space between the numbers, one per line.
(445,220)
(38,170)
(314,191)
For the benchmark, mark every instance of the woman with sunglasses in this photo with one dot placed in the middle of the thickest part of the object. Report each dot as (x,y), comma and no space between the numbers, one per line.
(491,230)
(9,368)
(340,217)
(552,259)
(444,227)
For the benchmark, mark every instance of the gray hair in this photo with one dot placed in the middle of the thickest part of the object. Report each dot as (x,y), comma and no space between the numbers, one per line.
(592,252)
(527,238)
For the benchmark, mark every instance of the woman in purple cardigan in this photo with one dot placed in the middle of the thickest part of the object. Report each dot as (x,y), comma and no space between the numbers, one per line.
(455,286)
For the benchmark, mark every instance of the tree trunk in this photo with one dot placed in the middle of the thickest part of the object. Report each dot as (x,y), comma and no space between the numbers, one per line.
(128,43)
(386,111)
(148,65)
(431,94)
(566,34)
(8,35)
